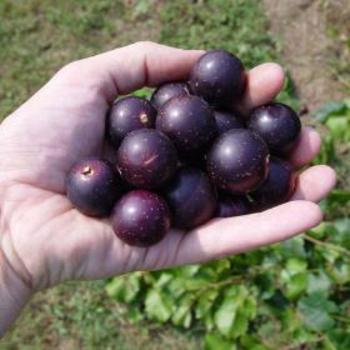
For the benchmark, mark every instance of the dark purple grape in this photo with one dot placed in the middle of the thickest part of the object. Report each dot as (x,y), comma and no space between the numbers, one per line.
(128,114)
(141,218)
(146,158)
(93,187)
(218,77)
(189,122)
(168,91)
(278,186)
(238,161)
(226,121)
(232,206)
(191,198)
(278,125)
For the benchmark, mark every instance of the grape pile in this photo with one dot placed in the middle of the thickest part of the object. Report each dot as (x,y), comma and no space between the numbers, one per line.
(187,156)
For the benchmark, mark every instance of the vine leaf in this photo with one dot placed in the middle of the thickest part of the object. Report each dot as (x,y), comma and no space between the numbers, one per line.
(315,310)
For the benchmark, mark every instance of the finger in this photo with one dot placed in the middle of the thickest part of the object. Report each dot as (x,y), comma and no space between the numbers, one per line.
(224,237)
(149,64)
(315,183)
(307,148)
(142,64)
(264,82)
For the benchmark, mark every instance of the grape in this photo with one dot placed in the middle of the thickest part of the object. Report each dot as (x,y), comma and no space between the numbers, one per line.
(93,186)
(226,121)
(278,125)
(141,218)
(168,91)
(232,206)
(191,198)
(218,77)
(128,114)
(189,122)
(146,159)
(238,161)
(278,186)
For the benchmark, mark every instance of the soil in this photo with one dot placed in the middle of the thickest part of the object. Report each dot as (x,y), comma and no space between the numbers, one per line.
(309,51)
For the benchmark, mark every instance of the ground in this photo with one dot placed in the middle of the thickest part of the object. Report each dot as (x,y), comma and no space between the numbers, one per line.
(312,34)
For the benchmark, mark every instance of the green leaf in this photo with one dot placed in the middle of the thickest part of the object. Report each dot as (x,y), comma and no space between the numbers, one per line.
(187,271)
(250,307)
(329,109)
(231,318)
(144,92)
(164,279)
(124,289)
(327,153)
(343,224)
(291,321)
(205,302)
(252,343)
(339,338)
(159,306)
(222,265)
(340,272)
(319,231)
(341,232)
(176,287)
(294,277)
(183,316)
(135,315)
(293,248)
(295,266)
(338,126)
(315,311)
(213,341)
(209,321)
(225,315)
(296,285)
(195,284)
(241,324)
(318,282)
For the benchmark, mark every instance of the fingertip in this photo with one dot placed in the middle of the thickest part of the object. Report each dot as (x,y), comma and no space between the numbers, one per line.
(314,213)
(308,147)
(264,82)
(331,174)
(310,213)
(276,73)
(315,183)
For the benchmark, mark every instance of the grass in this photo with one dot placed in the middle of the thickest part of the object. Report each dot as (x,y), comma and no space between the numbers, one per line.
(37,37)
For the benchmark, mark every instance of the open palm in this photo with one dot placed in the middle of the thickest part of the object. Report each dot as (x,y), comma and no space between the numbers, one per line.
(46,240)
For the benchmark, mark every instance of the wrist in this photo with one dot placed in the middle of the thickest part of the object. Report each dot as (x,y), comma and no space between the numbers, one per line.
(14,294)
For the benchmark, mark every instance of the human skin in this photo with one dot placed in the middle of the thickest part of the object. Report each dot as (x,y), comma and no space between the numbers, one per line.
(45,241)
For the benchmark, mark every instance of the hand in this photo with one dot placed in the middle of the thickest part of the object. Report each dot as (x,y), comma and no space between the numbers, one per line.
(44,240)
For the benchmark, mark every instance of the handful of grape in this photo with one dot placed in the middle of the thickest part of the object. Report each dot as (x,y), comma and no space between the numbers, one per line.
(187,156)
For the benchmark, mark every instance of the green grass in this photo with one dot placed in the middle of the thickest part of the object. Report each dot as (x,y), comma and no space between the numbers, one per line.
(37,37)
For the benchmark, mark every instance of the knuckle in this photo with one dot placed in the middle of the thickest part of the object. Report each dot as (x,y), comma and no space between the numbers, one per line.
(145,45)
(71,68)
